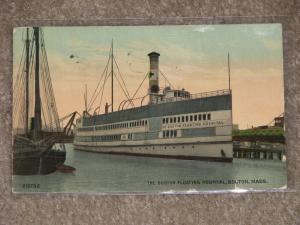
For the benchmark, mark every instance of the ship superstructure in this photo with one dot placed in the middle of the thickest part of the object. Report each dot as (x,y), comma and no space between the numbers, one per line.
(174,124)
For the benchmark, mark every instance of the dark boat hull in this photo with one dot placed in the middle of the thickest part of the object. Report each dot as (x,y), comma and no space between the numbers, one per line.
(50,160)
(32,163)
(30,158)
(26,163)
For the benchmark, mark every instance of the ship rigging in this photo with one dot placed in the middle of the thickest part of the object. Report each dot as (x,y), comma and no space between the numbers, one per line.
(36,124)
(112,72)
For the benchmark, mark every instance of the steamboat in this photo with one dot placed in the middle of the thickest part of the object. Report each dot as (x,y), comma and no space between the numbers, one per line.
(173,123)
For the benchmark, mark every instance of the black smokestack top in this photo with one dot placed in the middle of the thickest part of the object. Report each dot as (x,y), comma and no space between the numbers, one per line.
(154,71)
(153,54)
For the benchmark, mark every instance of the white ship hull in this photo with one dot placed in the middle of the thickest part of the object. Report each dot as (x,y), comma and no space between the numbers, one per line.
(199,129)
(197,151)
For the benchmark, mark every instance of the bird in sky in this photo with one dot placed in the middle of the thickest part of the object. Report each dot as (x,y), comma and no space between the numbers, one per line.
(73,56)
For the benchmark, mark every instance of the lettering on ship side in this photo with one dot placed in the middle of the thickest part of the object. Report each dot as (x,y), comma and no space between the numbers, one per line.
(195,124)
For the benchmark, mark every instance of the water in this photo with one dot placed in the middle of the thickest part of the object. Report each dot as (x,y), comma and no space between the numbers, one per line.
(100,173)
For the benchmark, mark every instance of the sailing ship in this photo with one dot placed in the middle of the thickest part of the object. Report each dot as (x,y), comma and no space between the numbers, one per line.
(173,124)
(37,135)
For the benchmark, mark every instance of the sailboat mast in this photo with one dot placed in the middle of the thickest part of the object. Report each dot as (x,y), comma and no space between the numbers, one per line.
(228,61)
(37,107)
(27,43)
(112,75)
(231,115)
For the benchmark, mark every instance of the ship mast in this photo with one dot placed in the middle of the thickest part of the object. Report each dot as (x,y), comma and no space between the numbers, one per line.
(27,43)
(37,106)
(112,76)
(228,61)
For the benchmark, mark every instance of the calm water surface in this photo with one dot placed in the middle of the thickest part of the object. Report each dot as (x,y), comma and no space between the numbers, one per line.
(98,173)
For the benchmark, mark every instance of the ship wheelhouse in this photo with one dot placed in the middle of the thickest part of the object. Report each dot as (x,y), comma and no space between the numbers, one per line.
(169,93)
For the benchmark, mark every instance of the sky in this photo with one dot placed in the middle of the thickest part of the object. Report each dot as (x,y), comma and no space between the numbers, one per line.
(193,57)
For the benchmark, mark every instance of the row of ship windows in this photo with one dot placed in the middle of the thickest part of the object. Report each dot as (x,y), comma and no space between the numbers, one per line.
(178,119)
(169,133)
(102,138)
(98,138)
(138,123)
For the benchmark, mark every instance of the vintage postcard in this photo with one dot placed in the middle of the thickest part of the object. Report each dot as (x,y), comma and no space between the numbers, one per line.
(148,109)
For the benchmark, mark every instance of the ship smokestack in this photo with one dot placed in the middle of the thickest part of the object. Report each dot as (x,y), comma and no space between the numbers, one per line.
(154,70)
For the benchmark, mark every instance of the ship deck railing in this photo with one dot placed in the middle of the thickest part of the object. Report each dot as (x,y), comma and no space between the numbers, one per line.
(175,99)
(196,96)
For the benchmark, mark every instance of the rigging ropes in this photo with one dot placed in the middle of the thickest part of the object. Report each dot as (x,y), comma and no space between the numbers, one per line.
(103,87)
(125,91)
(94,97)
(49,100)
(166,79)
(99,90)
(50,119)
